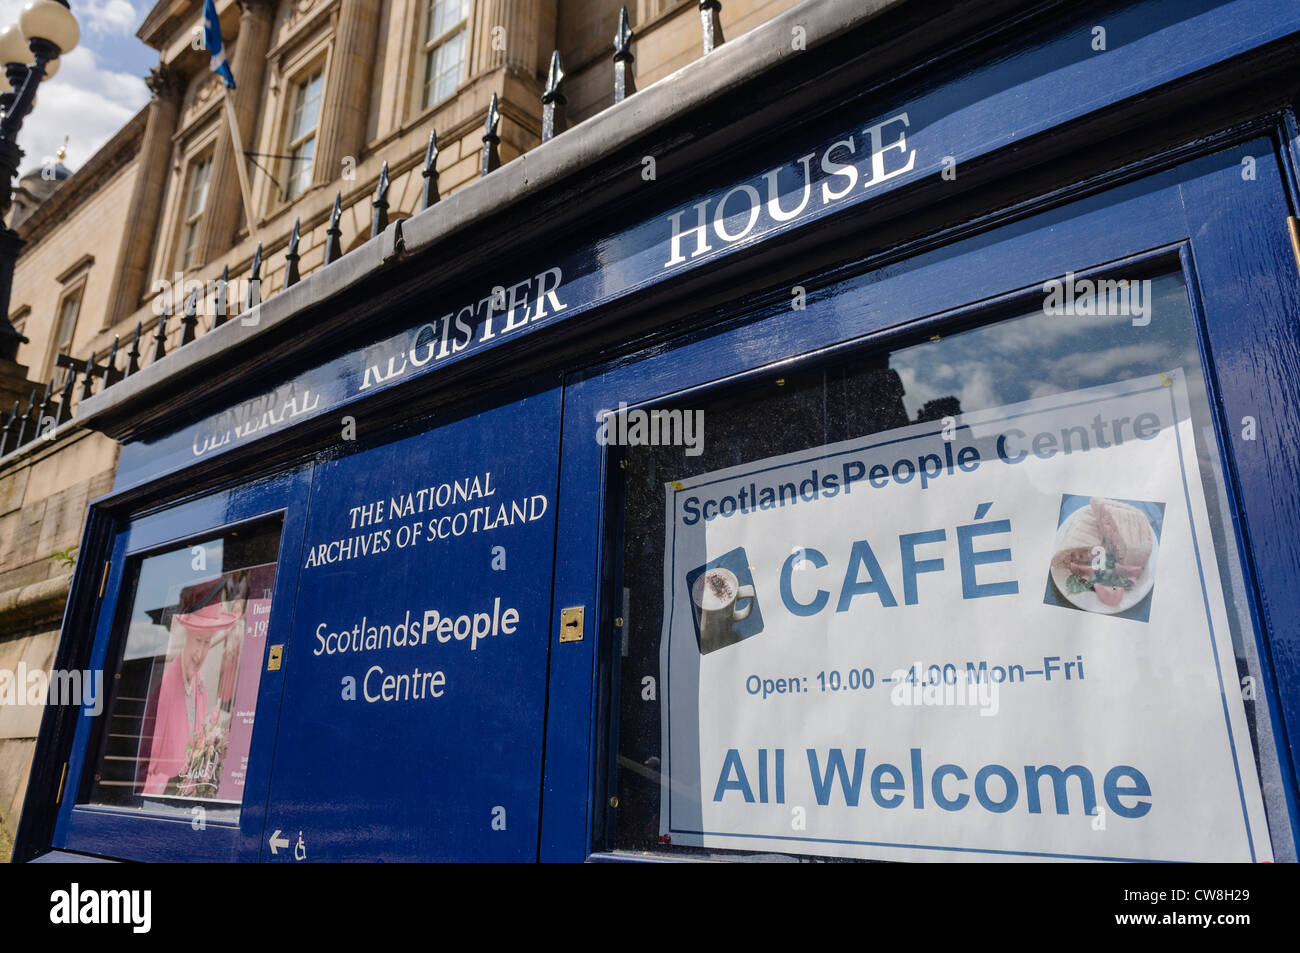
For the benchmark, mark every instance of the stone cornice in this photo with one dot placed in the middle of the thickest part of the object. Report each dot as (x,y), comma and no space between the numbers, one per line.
(165,14)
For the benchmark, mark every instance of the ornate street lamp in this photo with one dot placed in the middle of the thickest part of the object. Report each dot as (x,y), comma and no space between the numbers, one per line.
(30,52)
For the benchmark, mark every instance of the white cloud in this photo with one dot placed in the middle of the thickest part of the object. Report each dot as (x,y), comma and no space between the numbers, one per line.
(108,16)
(1121,357)
(916,389)
(111,17)
(85,102)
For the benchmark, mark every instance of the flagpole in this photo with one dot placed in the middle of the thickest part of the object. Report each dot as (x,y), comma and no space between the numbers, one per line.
(237,142)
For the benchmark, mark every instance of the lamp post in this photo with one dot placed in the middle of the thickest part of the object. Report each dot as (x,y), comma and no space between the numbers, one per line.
(30,51)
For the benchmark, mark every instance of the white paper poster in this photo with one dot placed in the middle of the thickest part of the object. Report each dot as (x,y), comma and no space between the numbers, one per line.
(1004,639)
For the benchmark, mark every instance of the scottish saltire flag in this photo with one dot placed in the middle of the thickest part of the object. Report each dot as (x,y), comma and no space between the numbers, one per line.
(212,40)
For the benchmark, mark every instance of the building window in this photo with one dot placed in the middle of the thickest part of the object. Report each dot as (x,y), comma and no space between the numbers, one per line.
(697,584)
(444,48)
(196,197)
(180,725)
(69,309)
(301,139)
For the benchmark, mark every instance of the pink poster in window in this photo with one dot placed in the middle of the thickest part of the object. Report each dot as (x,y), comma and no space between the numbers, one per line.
(249,598)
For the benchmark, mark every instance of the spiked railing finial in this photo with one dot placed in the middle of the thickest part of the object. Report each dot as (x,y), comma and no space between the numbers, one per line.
(88,377)
(7,442)
(111,373)
(7,432)
(254,296)
(711,22)
(291,257)
(65,396)
(159,339)
(133,356)
(553,101)
(223,299)
(379,221)
(624,84)
(190,318)
(334,234)
(491,156)
(43,414)
(24,419)
(429,194)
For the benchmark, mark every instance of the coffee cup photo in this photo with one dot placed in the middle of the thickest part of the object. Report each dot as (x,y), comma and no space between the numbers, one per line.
(720,602)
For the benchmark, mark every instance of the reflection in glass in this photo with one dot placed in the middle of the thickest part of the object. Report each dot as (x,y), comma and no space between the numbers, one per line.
(1025,356)
(180,723)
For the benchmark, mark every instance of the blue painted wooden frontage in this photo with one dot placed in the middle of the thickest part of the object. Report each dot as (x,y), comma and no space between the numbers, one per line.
(509,754)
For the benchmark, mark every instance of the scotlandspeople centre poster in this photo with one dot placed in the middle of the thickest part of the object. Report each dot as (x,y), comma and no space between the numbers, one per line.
(999,637)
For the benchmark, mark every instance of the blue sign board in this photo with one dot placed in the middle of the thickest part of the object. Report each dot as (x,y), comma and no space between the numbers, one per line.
(828,166)
(419,647)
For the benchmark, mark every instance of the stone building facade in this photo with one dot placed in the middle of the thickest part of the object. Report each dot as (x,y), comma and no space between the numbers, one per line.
(330,94)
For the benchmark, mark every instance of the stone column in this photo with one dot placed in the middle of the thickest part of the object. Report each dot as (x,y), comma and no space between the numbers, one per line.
(145,211)
(526,29)
(346,102)
(225,209)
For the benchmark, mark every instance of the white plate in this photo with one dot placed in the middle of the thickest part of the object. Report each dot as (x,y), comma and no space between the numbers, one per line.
(1088,600)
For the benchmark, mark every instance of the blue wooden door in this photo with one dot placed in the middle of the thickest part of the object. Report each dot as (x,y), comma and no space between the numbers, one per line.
(966,325)
(415,692)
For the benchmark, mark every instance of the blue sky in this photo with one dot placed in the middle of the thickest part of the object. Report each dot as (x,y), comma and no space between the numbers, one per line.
(99,85)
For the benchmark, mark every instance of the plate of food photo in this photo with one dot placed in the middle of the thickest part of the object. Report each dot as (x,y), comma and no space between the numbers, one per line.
(1105,556)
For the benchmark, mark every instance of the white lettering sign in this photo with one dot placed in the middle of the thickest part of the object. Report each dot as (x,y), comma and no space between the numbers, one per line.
(739,211)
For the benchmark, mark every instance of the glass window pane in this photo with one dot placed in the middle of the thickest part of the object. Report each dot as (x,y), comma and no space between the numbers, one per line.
(189,242)
(68,321)
(430,77)
(444,68)
(443,15)
(64,332)
(300,166)
(697,594)
(179,723)
(306,107)
(451,60)
(301,142)
(198,191)
(311,102)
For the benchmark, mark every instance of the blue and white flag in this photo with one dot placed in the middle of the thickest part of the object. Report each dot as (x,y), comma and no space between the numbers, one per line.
(212,40)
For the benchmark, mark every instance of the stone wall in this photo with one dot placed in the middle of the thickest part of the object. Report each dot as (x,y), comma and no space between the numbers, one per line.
(43,497)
